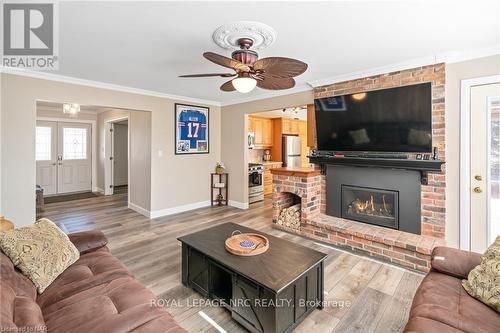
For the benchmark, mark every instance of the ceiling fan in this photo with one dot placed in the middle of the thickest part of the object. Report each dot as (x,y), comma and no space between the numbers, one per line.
(274,73)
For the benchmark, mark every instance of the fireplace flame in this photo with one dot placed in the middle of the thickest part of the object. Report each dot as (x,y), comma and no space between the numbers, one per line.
(369,206)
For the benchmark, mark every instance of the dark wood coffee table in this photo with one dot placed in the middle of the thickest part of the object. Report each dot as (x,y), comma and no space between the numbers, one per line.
(270,292)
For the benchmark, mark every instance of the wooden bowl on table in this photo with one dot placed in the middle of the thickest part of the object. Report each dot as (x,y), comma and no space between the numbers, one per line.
(246,244)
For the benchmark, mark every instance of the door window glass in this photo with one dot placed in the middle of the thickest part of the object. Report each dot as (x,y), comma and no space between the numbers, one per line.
(74,143)
(43,143)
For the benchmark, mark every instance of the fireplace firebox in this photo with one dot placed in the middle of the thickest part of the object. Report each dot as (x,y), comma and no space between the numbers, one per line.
(386,197)
(370,205)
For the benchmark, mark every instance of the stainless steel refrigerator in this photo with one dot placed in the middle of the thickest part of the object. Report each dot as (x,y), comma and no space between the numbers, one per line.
(291,151)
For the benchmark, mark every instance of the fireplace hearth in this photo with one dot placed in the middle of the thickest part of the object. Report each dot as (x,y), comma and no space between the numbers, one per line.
(370,205)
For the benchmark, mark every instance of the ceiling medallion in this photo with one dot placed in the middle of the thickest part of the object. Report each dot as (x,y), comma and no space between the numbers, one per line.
(227,35)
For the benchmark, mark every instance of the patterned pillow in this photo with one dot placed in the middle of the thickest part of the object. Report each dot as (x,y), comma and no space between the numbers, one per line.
(41,251)
(483,282)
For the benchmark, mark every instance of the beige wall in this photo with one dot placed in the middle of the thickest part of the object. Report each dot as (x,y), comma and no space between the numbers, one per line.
(454,74)
(175,180)
(140,160)
(234,137)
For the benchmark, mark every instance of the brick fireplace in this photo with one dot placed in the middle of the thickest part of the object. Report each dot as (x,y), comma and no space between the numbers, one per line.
(409,246)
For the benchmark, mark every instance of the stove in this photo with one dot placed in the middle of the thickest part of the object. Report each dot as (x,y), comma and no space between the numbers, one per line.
(255,182)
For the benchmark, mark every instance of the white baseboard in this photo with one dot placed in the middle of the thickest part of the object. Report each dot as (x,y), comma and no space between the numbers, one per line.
(179,209)
(139,209)
(238,204)
(99,190)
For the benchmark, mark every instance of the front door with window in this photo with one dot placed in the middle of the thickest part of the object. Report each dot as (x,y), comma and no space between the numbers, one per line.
(484,165)
(63,157)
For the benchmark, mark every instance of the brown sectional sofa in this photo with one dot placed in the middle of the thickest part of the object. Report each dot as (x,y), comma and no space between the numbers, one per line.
(95,294)
(441,304)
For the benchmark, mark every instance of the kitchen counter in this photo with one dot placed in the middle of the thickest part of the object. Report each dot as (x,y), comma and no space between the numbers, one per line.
(271,163)
(296,172)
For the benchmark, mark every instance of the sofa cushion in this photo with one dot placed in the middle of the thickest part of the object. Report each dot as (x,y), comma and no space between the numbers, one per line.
(441,302)
(19,311)
(41,251)
(92,269)
(122,305)
(483,282)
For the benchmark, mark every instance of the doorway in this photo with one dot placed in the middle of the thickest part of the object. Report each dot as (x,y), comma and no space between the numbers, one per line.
(63,157)
(116,156)
(480,166)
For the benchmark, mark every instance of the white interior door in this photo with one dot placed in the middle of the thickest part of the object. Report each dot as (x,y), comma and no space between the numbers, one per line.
(74,163)
(484,165)
(46,156)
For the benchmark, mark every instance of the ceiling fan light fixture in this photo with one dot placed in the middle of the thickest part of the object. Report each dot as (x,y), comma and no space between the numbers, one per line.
(244,84)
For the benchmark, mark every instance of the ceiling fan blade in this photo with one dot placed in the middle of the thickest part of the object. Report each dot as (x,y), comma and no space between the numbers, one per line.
(209,75)
(226,62)
(280,67)
(228,86)
(272,83)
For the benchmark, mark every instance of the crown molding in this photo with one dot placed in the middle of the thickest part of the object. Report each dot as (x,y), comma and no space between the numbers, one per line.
(103,85)
(446,57)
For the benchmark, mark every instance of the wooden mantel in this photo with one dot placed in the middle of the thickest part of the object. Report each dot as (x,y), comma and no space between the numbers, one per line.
(296,172)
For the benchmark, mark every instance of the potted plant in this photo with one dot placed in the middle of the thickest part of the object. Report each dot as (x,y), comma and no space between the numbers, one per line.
(220,168)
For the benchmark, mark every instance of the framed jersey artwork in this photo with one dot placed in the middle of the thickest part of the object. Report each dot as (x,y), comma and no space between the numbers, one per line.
(191,129)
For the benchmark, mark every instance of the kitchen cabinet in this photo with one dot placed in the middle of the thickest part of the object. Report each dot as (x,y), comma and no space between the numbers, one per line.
(263,129)
(311,127)
(268,177)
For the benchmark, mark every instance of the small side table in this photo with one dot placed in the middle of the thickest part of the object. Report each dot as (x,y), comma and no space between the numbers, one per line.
(219,189)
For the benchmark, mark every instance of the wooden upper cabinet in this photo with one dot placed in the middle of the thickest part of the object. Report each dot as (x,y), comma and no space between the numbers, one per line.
(267,130)
(290,126)
(311,127)
(263,129)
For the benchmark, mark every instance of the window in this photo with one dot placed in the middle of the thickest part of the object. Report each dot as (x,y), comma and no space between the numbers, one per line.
(43,143)
(75,143)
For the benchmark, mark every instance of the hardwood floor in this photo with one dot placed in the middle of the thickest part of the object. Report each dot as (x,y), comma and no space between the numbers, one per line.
(364,295)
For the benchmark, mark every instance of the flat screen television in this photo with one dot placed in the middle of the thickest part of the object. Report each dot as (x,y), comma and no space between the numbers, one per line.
(388,120)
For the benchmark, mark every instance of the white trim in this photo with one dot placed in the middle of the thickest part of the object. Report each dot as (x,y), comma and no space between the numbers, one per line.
(99,190)
(238,204)
(179,209)
(110,173)
(93,125)
(446,57)
(465,110)
(102,85)
(139,209)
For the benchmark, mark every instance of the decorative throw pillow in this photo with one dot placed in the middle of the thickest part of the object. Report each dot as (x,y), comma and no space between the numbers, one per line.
(41,251)
(483,282)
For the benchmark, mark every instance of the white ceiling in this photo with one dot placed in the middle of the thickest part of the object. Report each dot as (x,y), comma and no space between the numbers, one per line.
(147,45)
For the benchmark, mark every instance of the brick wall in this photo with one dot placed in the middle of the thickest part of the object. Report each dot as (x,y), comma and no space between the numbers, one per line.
(433,194)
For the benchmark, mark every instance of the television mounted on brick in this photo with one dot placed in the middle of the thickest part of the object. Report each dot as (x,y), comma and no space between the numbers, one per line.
(397,120)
